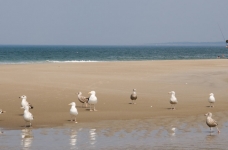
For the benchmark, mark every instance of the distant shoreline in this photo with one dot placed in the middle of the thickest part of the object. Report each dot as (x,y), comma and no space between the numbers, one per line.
(138,45)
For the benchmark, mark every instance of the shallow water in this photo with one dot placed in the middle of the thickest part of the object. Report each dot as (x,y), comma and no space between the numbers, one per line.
(141,137)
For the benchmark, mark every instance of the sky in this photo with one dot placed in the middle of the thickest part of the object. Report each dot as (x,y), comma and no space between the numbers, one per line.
(112,22)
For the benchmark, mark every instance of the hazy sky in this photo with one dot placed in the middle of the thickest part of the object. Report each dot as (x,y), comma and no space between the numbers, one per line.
(112,22)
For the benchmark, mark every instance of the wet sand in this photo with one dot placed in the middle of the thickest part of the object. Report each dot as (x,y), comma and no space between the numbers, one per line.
(51,87)
(120,134)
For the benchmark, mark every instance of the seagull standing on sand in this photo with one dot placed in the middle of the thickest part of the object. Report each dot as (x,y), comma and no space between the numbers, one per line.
(211,99)
(73,111)
(133,96)
(92,100)
(82,99)
(2,111)
(25,103)
(28,117)
(173,100)
(211,122)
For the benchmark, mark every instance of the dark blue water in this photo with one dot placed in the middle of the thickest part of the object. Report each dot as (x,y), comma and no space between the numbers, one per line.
(40,54)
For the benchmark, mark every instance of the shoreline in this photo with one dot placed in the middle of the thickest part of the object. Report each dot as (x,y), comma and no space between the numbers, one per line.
(94,61)
(50,87)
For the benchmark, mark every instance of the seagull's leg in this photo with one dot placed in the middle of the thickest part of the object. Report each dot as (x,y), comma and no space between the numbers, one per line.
(90,107)
(218,130)
(75,120)
(94,107)
(30,124)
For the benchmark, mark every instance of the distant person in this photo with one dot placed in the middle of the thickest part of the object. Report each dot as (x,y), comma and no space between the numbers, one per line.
(218,57)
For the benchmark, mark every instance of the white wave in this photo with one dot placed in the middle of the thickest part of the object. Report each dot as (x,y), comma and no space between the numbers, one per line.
(70,61)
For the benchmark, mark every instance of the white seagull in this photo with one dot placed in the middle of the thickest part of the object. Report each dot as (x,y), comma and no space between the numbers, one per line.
(25,103)
(73,111)
(28,117)
(2,111)
(211,99)
(211,122)
(133,96)
(92,100)
(173,100)
(82,99)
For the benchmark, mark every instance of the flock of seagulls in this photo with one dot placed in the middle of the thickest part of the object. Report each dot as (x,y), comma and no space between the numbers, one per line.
(209,121)
(92,100)
(173,101)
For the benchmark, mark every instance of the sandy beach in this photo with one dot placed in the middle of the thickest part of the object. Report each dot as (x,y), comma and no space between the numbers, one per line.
(50,87)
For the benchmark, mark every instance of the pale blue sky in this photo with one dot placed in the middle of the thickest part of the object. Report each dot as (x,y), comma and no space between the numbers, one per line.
(111,22)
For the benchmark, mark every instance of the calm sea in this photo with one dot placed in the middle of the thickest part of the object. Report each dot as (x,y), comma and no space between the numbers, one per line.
(55,54)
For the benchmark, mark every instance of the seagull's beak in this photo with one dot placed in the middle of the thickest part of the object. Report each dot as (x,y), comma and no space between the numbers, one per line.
(89,93)
(205,115)
(70,104)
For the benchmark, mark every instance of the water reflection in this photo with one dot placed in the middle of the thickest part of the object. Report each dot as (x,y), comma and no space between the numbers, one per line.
(93,136)
(26,138)
(73,138)
(211,137)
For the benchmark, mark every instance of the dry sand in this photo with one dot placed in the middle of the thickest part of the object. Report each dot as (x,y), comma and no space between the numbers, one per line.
(51,87)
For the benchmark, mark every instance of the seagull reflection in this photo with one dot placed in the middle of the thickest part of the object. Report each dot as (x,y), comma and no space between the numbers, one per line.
(93,136)
(173,131)
(27,137)
(73,138)
(210,137)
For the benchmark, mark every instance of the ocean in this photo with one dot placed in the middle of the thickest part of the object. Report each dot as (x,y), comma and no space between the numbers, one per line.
(55,54)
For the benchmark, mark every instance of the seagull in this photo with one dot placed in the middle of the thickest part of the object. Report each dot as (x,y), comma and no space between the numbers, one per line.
(25,103)
(133,96)
(92,100)
(28,117)
(211,99)
(2,111)
(211,122)
(73,111)
(82,99)
(173,100)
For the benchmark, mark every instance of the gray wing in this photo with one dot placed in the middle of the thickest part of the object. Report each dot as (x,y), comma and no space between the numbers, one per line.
(133,96)
(83,99)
